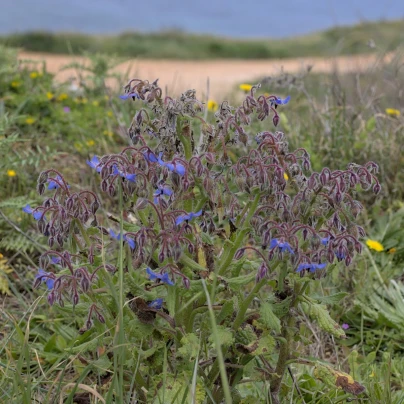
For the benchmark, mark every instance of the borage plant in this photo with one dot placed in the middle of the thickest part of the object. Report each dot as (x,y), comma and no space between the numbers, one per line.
(205,278)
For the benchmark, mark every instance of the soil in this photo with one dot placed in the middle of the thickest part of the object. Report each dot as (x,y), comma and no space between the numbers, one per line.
(176,76)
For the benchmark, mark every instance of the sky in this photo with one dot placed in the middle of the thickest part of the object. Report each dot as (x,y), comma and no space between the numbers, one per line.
(231,18)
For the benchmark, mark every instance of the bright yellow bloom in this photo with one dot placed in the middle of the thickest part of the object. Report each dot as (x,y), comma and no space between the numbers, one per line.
(108,133)
(84,100)
(110,114)
(392,250)
(15,83)
(90,143)
(33,75)
(49,95)
(393,112)
(63,97)
(96,103)
(1,256)
(30,120)
(245,87)
(11,173)
(374,245)
(285,176)
(212,105)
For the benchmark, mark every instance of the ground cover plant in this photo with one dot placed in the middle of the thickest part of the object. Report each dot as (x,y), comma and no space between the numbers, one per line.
(213,272)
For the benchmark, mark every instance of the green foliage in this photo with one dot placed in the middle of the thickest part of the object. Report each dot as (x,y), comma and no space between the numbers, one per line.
(179,45)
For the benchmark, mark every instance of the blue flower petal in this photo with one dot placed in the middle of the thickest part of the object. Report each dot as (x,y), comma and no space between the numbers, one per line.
(156,304)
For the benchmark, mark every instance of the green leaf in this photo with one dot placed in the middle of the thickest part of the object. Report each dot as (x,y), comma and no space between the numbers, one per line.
(268,318)
(226,311)
(331,299)
(190,346)
(225,336)
(237,283)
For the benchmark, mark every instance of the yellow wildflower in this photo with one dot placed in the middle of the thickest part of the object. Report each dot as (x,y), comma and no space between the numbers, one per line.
(15,84)
(372,374)
(90,143)
(245,87)
(49,95)
(63,97)
(1,256)
(106,98)
(11,173)
(30,120)
(285,176)
(108,133)
(392,250)
(110,114)
(374,245)
(84,100)
(393,112)
(212,105)
(96,103)
(33,75)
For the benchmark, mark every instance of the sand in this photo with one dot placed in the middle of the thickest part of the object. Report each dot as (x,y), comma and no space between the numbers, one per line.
(179,75)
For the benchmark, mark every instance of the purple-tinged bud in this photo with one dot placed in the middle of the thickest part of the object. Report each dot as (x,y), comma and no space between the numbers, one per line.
(52,231)
(361,231)
(47,203)
(85,283)
(311,183)
(348,260)
(41,189)
(336,221)
(176,251)
(94,207)
(37,283)
(358,247)
(338,196)
(51,298)
(191,248)
(185,184)
(239,253)
(141,204)
(111,190)
(186,282)
(275,119)
(204,226)
(176,179)
(86,215)
(69,203)
(377,188)
(161,256)
(89,324)
(41,225)
(59,239)
(188,229)
(75,298)
(305,232)
(330,256)
(306,165)
(60,300)
(101,318)
(43,177)
(262,272)
(104,186)
(324,177)
(51,241)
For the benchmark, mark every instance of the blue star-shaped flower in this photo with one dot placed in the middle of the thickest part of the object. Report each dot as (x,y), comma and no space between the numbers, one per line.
(95,163)
(279,101)
(150,156)
(162,190)
(129,95)
(156,304)
(45,278)
(117,237)
(163,277)
(27,209)
(187,216)
(282,245)
(310,266)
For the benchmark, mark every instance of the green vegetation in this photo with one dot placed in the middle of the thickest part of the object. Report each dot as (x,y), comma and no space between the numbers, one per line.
(178,45)
(43,357)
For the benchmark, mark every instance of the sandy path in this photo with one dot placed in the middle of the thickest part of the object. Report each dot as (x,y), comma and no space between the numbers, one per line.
(180,75)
